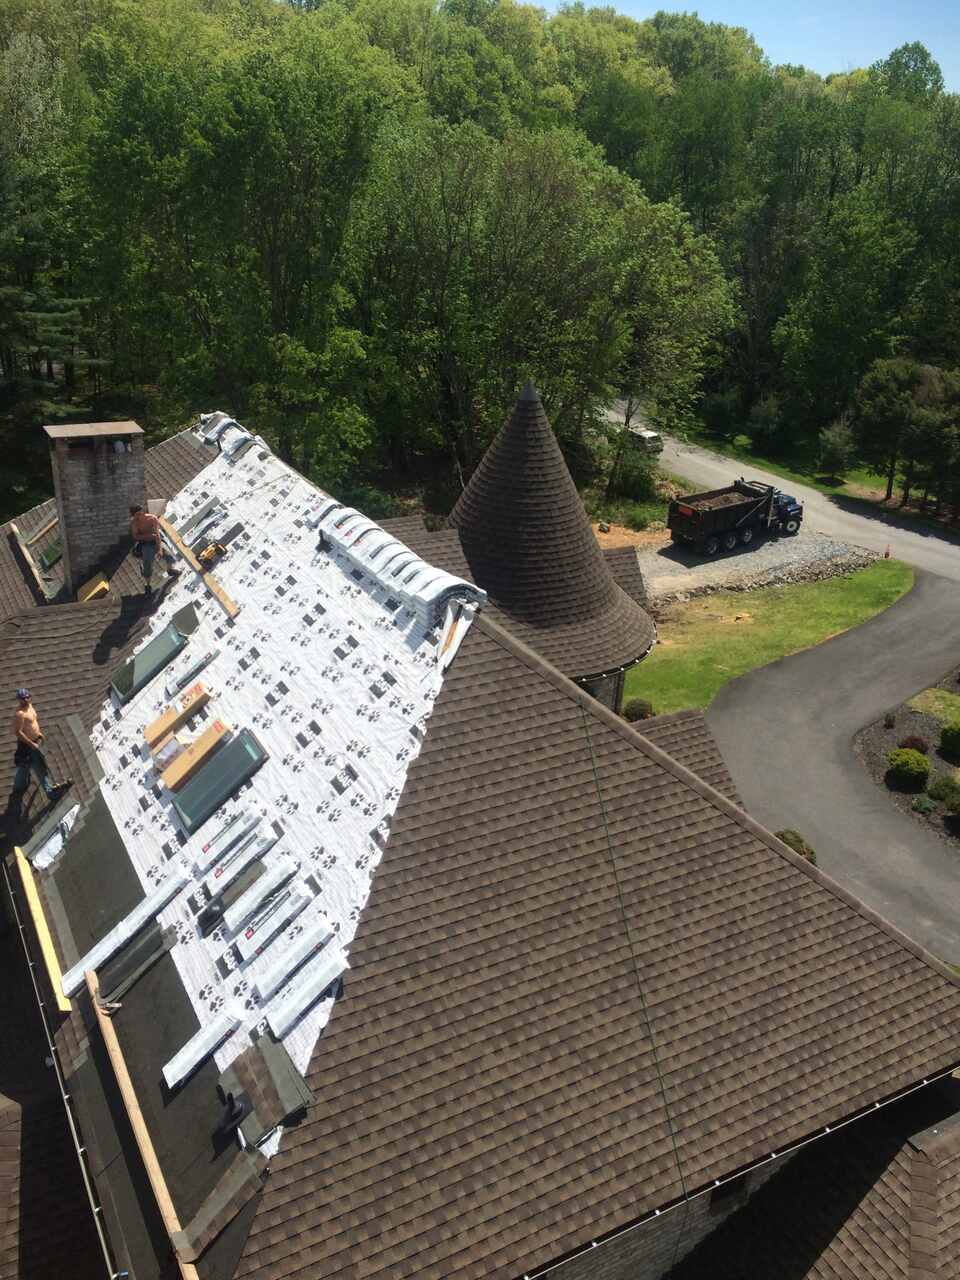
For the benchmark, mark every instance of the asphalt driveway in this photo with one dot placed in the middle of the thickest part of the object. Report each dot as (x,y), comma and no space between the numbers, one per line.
(842,518)
(786,733)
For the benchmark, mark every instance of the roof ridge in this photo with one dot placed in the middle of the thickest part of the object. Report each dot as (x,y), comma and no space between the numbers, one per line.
(626,731)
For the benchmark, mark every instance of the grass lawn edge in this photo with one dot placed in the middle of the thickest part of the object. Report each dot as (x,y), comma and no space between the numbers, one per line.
(700,650)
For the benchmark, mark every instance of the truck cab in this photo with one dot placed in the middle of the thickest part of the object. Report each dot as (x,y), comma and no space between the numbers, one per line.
(789,512)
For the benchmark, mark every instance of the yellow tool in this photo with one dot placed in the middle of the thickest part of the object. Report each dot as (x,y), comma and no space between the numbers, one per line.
(209,555)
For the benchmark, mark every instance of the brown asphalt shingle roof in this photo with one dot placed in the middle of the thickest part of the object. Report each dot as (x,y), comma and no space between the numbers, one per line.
(168,466)
(878,1198)
(529,544)
(685,736)
(584,982)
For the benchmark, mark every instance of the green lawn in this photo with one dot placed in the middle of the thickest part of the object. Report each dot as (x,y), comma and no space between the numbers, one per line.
(941,703)
(716,638)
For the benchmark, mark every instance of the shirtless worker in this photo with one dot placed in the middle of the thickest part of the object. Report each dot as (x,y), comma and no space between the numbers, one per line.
(28,757)
(145,530)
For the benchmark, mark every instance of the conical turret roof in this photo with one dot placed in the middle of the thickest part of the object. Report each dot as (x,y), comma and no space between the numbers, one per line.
(529,544)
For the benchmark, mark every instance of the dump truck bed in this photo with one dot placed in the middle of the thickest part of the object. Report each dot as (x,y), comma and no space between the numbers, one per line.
(730,496)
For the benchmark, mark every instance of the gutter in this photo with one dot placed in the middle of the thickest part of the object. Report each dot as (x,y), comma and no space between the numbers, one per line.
(94,1202)
(617,1232)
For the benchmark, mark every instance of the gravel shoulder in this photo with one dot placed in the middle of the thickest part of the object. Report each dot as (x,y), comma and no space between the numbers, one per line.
(672,573)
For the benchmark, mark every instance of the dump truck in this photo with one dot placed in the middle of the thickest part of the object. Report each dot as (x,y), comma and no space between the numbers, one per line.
(733,516)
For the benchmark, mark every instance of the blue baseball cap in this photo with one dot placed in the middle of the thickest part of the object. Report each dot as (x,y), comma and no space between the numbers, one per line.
(24,695)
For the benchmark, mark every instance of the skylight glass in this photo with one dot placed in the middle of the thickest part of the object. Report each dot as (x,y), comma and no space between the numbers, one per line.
(150,661)
(218,780)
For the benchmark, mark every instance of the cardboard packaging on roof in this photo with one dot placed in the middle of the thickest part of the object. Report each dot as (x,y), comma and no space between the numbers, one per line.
(187,705)
(195,756)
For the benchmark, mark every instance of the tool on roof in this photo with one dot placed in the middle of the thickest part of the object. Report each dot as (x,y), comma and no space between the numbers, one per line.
(211,554)
(174,686)
(199,1047)
(232,831)
(310,984)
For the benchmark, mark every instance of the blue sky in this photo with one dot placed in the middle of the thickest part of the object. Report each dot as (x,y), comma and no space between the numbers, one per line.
(831,35)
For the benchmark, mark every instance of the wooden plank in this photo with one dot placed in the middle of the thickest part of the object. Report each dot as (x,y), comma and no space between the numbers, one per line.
(42,586)
(170,532)
(35,537)
(140,1131)
(42,930)
(95,589)
(230,607)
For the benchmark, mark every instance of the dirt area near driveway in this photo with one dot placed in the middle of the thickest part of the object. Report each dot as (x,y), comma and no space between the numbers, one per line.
(620,536)
(671,572)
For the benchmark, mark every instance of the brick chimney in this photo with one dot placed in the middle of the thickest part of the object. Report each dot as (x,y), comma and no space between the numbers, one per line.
(97,476)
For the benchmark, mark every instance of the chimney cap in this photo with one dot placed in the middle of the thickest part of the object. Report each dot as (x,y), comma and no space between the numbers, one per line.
(87,430)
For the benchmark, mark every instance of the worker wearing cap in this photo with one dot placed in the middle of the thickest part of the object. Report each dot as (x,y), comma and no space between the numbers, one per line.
(145,531)
(28,756)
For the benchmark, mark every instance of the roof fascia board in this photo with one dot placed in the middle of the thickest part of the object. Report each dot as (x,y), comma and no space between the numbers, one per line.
(142,1134)
(42,930)
(79,1149)
(537,1272)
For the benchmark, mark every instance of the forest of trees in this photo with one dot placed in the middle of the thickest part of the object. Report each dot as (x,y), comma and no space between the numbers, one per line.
(359,224)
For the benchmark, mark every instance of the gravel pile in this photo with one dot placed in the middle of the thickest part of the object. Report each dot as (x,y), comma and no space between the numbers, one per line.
(672,573)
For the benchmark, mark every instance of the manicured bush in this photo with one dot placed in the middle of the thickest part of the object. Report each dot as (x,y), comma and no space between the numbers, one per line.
(637,709)
(946,790)
(909,769)
(950,739)
(924,805)
(913,742)
(797,843)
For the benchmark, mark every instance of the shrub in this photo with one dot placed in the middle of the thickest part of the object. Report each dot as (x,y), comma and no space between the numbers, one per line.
(950,739)
(797,843)
(910,769)
(837,448)
(924,805)
(637,709)
(946,790)
(913,742)
(765,425)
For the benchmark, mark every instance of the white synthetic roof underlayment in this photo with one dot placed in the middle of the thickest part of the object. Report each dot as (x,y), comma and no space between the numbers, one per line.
(335,668)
